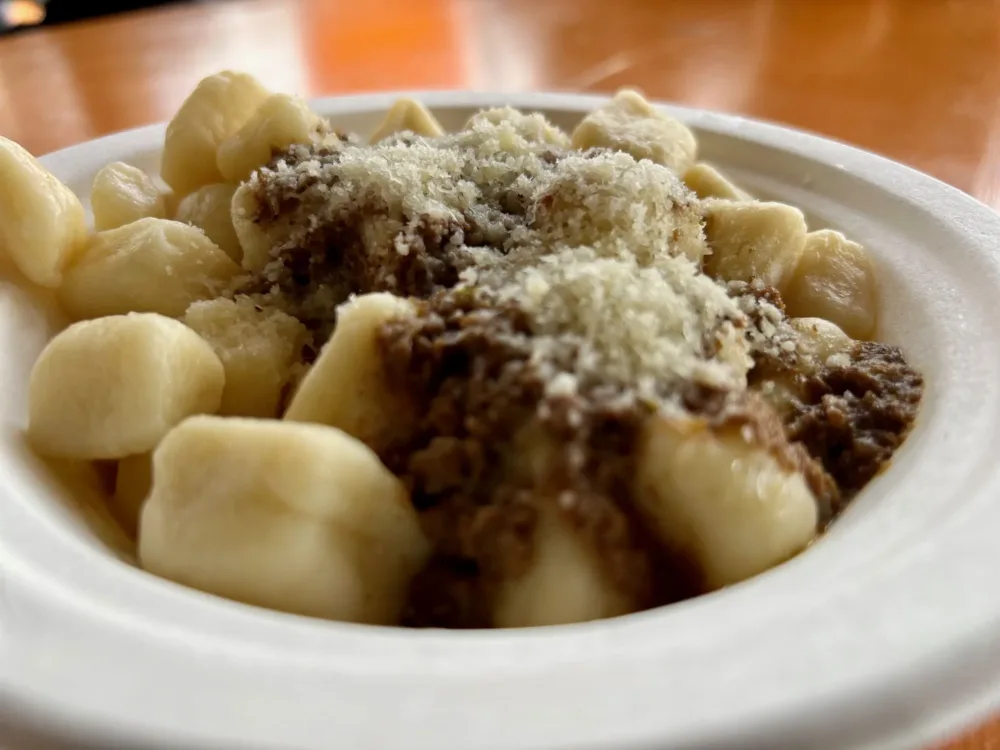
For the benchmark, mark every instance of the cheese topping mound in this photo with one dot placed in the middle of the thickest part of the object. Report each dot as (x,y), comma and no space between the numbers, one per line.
(602,252)
(654,328)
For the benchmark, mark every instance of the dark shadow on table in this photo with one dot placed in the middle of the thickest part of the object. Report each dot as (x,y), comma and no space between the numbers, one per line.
(59,12)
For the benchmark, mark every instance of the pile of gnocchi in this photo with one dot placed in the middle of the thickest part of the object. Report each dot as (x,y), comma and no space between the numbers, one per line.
(301,517)
(172,379)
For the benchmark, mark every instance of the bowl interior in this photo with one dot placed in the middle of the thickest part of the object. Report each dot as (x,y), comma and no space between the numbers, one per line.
(939,281)
(73,493)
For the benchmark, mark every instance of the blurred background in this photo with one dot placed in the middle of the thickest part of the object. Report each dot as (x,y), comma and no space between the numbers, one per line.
(915,80)
(22,14)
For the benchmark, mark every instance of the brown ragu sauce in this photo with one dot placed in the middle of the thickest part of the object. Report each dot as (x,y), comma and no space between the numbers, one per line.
(529,404)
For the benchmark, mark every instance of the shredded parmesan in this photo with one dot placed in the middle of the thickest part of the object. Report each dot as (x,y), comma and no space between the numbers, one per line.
(602,251)
(653,327)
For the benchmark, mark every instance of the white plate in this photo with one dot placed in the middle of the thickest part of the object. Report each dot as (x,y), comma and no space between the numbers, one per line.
(885,634)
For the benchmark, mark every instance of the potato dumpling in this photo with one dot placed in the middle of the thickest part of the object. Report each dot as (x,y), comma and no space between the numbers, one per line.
(112,387)
(566,583)
(754,240)
(346,386)
(707,182)
(818,341)
(257,348)
(835,280)
(728,503)
(217,108)
(122,194)
(631,124)
(255,242)
(280,121)
(133,480)
(618,206)
(296,517)
(407,114)
(42,223)
(150,265)
(533,127)
(210,209)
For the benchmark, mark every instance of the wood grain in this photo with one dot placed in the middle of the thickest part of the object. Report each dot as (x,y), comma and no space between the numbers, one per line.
(916,80)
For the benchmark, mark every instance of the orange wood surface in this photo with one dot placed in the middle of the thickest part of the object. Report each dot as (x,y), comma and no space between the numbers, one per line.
(916,80)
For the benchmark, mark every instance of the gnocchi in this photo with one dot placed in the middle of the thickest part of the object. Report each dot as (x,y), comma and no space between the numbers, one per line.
(280,121)
(354,397)
(707,182)
(751,241)
(835,280)
(631,124)
(112,387)
(819,340)
(534,128)
(728,502)
(218,107)
(561,377)
(254,241)
(257,348)
(210,209)
(296,517)
(42,223)
(150,265)
(122,194)
(407,115)
(566,583)
(616,202)
(818,344)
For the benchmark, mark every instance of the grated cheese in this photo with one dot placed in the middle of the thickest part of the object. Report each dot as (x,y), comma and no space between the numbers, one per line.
(601,250)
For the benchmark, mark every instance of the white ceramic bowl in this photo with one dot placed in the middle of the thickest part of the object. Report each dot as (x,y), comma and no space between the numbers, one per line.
(884,634)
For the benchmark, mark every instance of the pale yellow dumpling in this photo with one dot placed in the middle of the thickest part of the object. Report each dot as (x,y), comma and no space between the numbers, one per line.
(43,226)
(113,387)
(297,517)
(258,349)
(150,265)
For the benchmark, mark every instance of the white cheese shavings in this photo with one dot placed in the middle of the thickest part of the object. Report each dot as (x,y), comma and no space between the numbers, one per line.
(601,250)
(649,327)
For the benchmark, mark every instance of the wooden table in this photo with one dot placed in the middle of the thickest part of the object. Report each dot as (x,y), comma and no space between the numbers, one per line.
(916,80)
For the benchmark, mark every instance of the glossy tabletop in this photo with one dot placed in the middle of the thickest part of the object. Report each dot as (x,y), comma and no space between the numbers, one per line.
(915,80)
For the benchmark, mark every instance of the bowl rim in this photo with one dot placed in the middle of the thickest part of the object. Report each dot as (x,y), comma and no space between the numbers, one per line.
(959,650)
